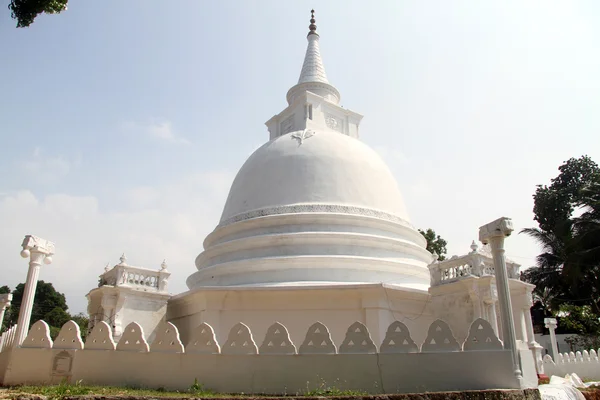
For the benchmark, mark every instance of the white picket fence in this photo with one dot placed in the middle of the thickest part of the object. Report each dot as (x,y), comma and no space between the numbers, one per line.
(585,364)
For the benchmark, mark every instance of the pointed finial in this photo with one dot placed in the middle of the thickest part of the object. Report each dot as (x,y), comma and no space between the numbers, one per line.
(474,247)
(163,265)
(123,259)
(312,27)
(107,268)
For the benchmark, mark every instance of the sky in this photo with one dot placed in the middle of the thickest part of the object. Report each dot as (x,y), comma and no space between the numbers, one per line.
(123,123)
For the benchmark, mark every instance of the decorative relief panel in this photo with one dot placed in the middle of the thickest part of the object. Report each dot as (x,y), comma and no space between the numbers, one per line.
(440,338)
(62,364)
(239,341)
(203,340)
(398,340)
(69,337)
(133,339)
(100,338)
(167,339)
(277,341)
(38,336)
(358,340)
(287,125)
(317,341)
(481,337)
(334,123)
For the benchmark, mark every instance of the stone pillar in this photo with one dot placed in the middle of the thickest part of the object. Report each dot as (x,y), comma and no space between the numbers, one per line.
(494,234)
(523,323)
(5,300)
(534,346)
(492,317)
(38,250)
(551,324)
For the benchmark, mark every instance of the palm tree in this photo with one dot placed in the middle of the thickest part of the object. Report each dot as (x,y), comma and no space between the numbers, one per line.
(568,269)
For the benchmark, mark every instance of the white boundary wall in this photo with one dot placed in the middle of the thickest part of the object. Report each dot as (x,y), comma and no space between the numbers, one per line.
(274,365)
(585,364)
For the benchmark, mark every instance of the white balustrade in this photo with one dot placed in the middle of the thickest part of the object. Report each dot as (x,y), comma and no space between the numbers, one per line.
(476,263)
(145,279)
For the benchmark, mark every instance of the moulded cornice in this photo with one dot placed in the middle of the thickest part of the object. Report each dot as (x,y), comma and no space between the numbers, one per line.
(246,266)
(313,238)
(313,208)
(401,227)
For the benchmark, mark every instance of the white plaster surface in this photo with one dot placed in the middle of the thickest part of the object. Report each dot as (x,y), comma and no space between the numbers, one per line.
(167,339)
(100,338)
(133,339)
(266,373)
(69,337)
(481,337)
(38,336)
(203,341)
(328,168)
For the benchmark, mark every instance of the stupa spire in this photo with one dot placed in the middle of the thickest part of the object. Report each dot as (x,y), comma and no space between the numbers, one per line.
(312,68)
(312,76)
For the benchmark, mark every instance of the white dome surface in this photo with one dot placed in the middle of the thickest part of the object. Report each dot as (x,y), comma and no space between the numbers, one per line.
(326,168)
(312,210)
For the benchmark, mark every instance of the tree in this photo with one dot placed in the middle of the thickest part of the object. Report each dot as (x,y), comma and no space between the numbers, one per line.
(555,204)
(568,269)
(48,304)
(46,300)
(83,321)
(435,243)
(25,11)
(3,290)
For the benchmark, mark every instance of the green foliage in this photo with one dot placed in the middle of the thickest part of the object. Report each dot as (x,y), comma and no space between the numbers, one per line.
(579,319)
(25,11)
(57,317)
(48,305)
(323,389)
(68,390)
(568,269)
(555,204)
(45,301)
(4,289)
(198,389)
(435,243)
(83,321)
(583,342)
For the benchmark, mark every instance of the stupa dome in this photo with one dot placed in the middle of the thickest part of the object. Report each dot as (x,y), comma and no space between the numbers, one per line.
(313,207)
(327,168)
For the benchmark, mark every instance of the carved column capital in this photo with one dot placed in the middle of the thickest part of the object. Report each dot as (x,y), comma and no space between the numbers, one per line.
(550,323)
(38,250)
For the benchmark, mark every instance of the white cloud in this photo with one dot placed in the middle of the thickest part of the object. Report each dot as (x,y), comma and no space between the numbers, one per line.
(171,226)
(46,168)
(159,130)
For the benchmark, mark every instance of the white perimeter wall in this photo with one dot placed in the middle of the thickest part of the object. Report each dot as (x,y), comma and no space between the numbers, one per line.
(276,374)
(273,364)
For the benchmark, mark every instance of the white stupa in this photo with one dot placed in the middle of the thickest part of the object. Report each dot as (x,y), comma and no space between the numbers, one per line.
(315,229)
(314,276)
(314,220)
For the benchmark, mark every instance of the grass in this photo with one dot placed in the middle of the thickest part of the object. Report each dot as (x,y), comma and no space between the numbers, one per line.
(64,389)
